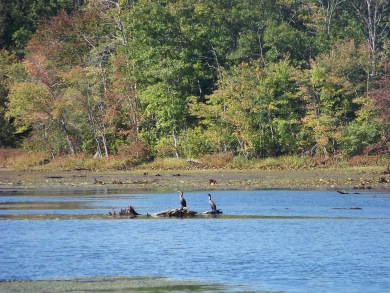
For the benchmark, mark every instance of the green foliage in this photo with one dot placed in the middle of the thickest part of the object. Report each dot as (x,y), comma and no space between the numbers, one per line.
(252,78)
(255,108)
(165,148)
(27,104)
(281,40)
(357,137)
(10,69)
(195,142)
(331,86)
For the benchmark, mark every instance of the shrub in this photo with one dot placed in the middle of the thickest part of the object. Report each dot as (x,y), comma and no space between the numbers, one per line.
(194,143)
(135,153)
(357,136)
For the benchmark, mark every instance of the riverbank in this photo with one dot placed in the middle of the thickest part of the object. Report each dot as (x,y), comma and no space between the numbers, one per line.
(214,179)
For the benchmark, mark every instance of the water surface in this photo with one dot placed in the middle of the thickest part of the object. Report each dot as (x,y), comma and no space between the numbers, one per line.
(274,240)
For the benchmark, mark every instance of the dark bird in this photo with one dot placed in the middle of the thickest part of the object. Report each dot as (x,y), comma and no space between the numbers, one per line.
(212,204)
(182,200)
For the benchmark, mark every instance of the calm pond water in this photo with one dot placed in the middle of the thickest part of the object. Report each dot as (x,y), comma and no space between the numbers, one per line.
(273,240)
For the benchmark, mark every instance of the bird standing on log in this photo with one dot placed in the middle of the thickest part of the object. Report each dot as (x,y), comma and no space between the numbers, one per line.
(212,204)
(182,200)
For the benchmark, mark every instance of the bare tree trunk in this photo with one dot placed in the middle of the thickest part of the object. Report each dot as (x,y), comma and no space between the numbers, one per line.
(104,141)
(328,8)
(67,136)
(47,141)
(175,143)
(103,129)
(371,14)
(94,129)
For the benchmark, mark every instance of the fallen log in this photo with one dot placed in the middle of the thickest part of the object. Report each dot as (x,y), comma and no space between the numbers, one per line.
(194,161)
(98,181)
(176,213)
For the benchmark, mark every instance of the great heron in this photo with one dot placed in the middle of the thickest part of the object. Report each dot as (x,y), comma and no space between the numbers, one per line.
(212,204)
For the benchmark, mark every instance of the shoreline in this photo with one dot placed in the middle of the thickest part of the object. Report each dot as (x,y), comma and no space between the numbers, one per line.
(215,179)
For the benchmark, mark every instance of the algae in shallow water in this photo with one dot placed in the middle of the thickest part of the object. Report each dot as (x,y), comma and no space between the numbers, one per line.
(110,284)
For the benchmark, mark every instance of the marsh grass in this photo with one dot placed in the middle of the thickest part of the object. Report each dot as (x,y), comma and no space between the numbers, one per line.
(19,159)
(27,160)
(283,162)
(166,163)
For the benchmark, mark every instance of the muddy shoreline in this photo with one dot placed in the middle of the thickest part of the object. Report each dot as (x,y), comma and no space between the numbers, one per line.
(168,180)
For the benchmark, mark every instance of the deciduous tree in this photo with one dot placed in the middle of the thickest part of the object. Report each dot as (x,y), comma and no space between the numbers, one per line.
(332,84)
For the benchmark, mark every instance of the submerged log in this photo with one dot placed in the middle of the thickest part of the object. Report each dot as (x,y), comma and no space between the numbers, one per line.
(342,192)
(177,213)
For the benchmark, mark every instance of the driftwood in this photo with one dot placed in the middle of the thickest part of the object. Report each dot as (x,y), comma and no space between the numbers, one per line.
(176,213)
(98,181)
(342,192)
(54,177)
(212,181)
(194,161)
(81,169)
(129,212)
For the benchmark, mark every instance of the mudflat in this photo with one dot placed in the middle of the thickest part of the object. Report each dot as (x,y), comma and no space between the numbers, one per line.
(215,179)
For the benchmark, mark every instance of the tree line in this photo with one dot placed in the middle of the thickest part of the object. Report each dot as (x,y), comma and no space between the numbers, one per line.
(186,78)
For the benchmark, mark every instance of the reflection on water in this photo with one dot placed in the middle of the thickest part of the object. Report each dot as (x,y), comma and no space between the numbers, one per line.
(293,241)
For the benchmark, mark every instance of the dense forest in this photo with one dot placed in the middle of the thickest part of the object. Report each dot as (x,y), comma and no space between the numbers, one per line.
(186,78)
